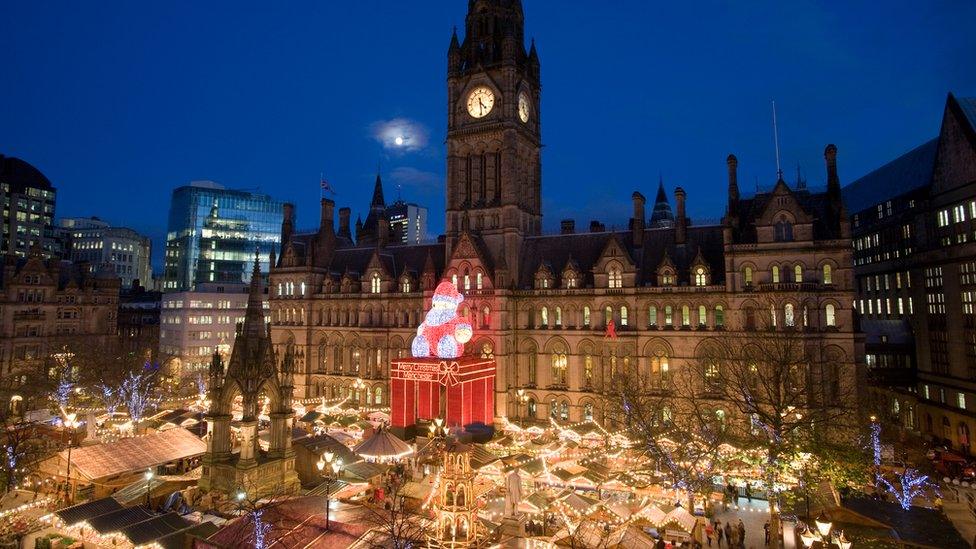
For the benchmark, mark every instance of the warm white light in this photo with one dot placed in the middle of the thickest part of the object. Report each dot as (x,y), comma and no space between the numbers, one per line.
(823,525)
(398,140)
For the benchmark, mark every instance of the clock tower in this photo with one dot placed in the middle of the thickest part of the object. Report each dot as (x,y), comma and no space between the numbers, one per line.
(494,174)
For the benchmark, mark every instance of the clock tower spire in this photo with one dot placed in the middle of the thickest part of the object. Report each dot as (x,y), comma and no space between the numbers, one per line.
(494,172)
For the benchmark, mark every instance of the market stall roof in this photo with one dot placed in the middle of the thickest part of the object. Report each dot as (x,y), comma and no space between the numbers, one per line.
(319,444)
(87,511)
(681,517)
(311,417)
(630,536)
(653,514)
(577,502)
(147,531)
(116,521)
(364,470)
(481,457)
(383,445)
(537,502)
(135,454)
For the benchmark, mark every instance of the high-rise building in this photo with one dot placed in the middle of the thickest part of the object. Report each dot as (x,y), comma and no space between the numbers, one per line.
(542,305)
(196,323)
(91,240)
(914,228)
(28,209)
(213,233)
(408,222)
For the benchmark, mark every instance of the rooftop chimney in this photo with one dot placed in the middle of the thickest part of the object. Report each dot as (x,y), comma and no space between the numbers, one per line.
(597,227)
(567,226)
(680,221)
(287,222)
(637,223)
(733,164)
(344,214)
(327,220)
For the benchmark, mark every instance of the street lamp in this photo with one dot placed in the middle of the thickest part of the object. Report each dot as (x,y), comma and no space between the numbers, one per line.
(824,527)
(71,422)
(240,501)
(521,399)
(149,477)
(335,464)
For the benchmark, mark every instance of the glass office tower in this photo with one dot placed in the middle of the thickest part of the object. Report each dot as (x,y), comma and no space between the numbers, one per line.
(213,232)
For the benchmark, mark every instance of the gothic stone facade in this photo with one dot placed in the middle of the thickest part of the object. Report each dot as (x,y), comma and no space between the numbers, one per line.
(540,304)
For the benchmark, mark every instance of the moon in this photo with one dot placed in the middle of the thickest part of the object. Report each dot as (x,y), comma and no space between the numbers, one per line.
(398,140)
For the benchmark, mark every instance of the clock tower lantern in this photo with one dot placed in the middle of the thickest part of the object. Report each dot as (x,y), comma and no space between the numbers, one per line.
(494,173)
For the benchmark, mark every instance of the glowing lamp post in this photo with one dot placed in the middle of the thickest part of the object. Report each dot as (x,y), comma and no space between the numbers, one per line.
(438,429)
(824,527)
(521,400)
(335,465)
(149,477)
(70,423)
(240,501)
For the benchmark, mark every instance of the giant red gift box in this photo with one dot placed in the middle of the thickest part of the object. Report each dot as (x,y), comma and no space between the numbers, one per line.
(467,383)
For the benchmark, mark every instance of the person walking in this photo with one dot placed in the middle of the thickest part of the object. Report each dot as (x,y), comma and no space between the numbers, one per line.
(748,493)
(742,533)
(728,533)
(766,532)
(720,533)
(709,531)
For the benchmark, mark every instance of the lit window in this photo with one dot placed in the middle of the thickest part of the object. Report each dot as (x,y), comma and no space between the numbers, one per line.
(559,316)
(652,316)
(467,282)
(479,280)
(586,315)
(775,274)
(615,278)
(831,320)
(623,316)
(544,316)
(747,276)
(797,273)
(828,276)
(685,316)
(668,315)
(719,316)
(375,281)
(961,400)
(788,315)
(700,277)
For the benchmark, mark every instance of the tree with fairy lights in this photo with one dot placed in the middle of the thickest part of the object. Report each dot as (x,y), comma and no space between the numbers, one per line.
(903,482)
(137,390)
(792,397)
(675,425)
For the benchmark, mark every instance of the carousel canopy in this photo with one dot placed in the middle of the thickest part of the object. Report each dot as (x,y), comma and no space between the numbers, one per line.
(383,445)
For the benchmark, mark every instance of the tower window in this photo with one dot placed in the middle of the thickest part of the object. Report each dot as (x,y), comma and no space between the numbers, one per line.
(615,278)
(374,286)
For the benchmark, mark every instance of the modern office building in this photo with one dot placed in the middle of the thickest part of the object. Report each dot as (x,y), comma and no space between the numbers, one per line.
(138,322)
(195,323)
(914,228)
(28,209)
(213,233)
(92,240)
(408,222)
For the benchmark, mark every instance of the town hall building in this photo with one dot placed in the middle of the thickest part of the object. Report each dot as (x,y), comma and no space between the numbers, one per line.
(541,304)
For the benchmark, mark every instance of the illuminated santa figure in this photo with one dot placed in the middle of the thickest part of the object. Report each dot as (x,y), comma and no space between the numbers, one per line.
(443,333)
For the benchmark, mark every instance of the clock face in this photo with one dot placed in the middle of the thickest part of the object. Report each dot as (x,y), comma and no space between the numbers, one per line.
(523,107)
(480,102)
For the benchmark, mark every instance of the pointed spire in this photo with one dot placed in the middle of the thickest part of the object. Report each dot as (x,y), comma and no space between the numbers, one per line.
(661,215)
(254,317)
(455,44)
(378,201)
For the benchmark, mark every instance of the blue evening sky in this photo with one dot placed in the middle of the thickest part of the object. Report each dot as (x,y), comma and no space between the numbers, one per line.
(119,102)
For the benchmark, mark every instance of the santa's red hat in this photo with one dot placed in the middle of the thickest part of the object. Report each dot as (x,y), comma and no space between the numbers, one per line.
(446,292)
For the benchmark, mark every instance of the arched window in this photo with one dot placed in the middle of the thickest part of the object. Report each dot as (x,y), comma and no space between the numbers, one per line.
(668,316)
(775,274)
(559,316)
(479,280)
(588,412)
(805,317)
(280,290)
(303,287)
(323,358)
(615,278)
(558,365)
(797,273)
(378,396)
(467,282)
(720,417)
(623,315)
(553,409)
(570,281)
(772,315)
(784,230)
(485,317)
(702,316)
(719,316)
(788,315)
(685,316)
(587,370)
(564,410)
(701,278)
(530,408)
(712,374)
(827,275)
(586,315)
(544,316)
(829,313)
(374,285)
(405,285)
(454,281)
(652,316)
(747,276)
(607,315)
(659,371)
